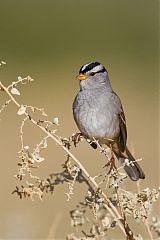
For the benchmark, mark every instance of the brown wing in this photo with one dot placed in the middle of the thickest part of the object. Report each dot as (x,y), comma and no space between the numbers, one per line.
(123,132)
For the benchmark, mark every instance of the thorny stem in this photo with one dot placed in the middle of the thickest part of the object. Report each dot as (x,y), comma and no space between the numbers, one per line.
(109,206)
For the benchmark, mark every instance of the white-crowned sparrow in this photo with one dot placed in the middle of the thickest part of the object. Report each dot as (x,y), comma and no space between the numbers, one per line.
(99,115)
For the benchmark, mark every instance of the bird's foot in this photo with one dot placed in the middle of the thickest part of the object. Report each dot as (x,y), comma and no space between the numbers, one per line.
(111,164)
(76,138)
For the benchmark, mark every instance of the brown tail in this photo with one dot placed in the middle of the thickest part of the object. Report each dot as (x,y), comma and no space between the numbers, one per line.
(133,170)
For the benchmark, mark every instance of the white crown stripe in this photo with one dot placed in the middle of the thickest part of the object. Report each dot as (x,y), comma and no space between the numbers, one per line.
(97,68)
(84,66)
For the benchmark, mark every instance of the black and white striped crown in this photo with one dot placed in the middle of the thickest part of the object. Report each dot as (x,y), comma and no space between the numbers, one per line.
(96,67)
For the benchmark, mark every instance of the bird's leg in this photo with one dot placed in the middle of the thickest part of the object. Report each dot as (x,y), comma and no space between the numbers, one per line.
(111,162)
(92,143)
(76,138)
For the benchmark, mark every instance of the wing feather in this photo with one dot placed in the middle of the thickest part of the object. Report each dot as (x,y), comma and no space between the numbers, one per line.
(123,132)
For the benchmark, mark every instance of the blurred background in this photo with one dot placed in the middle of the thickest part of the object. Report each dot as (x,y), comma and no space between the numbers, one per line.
(50,41)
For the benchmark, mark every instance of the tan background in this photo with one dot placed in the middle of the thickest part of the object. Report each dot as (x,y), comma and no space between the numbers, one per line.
(50,40)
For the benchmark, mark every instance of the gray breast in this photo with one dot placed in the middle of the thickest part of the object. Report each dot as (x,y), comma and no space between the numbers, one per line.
(96,114)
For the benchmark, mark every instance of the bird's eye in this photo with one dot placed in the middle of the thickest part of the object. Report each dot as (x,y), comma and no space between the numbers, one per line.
(93,73)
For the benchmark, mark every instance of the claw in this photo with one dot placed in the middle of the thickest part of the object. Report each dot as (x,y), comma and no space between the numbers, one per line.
(76,138)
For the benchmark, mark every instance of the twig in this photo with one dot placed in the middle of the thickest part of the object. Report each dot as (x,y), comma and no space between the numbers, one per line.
(148,229)
(146,220)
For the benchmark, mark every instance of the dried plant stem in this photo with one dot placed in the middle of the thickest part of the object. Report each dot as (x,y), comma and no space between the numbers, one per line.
(148,229)
(138,186)
(108,204)
(146,220)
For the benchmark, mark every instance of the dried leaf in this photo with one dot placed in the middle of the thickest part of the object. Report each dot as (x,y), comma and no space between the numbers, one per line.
(26,147)
(44,114)
(38,158)
(56,121)
(19,78)
(30,79)
(15,91)
(21,110)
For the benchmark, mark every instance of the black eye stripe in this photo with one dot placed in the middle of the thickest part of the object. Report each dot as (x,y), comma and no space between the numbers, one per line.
(100,71)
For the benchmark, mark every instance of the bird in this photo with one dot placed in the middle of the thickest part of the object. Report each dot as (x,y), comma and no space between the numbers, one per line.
(99,115)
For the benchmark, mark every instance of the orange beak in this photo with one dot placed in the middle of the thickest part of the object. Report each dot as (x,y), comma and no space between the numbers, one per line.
(81,76)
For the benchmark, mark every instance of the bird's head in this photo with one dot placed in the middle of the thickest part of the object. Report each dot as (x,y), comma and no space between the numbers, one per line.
(93,75)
